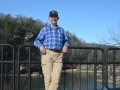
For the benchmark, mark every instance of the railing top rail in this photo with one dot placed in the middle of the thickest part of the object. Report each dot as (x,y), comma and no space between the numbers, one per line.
(72,47)
(114,48)
(85,47)
(7,45)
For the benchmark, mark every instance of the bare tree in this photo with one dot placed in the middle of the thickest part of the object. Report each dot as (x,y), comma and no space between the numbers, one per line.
(113,39)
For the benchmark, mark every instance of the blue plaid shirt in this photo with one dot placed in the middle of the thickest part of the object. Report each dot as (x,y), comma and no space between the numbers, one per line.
(52,38)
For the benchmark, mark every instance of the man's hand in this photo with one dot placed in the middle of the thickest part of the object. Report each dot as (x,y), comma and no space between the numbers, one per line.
(42,50)
(65,49)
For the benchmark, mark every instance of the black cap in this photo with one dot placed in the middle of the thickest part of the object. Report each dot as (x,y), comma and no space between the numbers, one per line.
(53,12)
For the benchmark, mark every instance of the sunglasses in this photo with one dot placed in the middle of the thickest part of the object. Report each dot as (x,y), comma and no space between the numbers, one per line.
(54,16)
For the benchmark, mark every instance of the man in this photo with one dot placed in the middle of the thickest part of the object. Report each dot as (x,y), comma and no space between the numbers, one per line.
(52,43)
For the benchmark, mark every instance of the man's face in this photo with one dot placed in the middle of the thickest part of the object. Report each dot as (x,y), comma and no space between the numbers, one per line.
(53,19)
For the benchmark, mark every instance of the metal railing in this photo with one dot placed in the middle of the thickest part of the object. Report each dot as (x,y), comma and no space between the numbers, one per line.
(113,69)
(85,68)
(7,62)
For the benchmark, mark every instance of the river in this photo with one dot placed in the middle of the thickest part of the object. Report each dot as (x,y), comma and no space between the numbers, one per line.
(76,81)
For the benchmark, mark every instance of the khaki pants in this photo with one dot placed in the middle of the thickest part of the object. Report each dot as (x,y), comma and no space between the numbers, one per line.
(51,67)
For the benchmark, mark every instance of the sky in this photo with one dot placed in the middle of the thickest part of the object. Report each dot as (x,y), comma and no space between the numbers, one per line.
(89,20)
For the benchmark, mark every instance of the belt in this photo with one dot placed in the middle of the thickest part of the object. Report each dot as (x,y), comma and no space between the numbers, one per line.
(55,50)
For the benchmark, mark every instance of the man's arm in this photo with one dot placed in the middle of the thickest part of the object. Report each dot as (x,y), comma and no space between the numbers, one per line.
(66,44)
(39,41)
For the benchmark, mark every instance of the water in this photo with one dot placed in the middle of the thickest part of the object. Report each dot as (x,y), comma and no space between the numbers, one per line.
(76,81)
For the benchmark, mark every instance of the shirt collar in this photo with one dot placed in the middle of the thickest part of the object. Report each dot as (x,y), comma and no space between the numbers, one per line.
(49,26)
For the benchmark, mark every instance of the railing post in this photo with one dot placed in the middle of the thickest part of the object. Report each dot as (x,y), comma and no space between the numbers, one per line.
(1,78)
(105,71)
